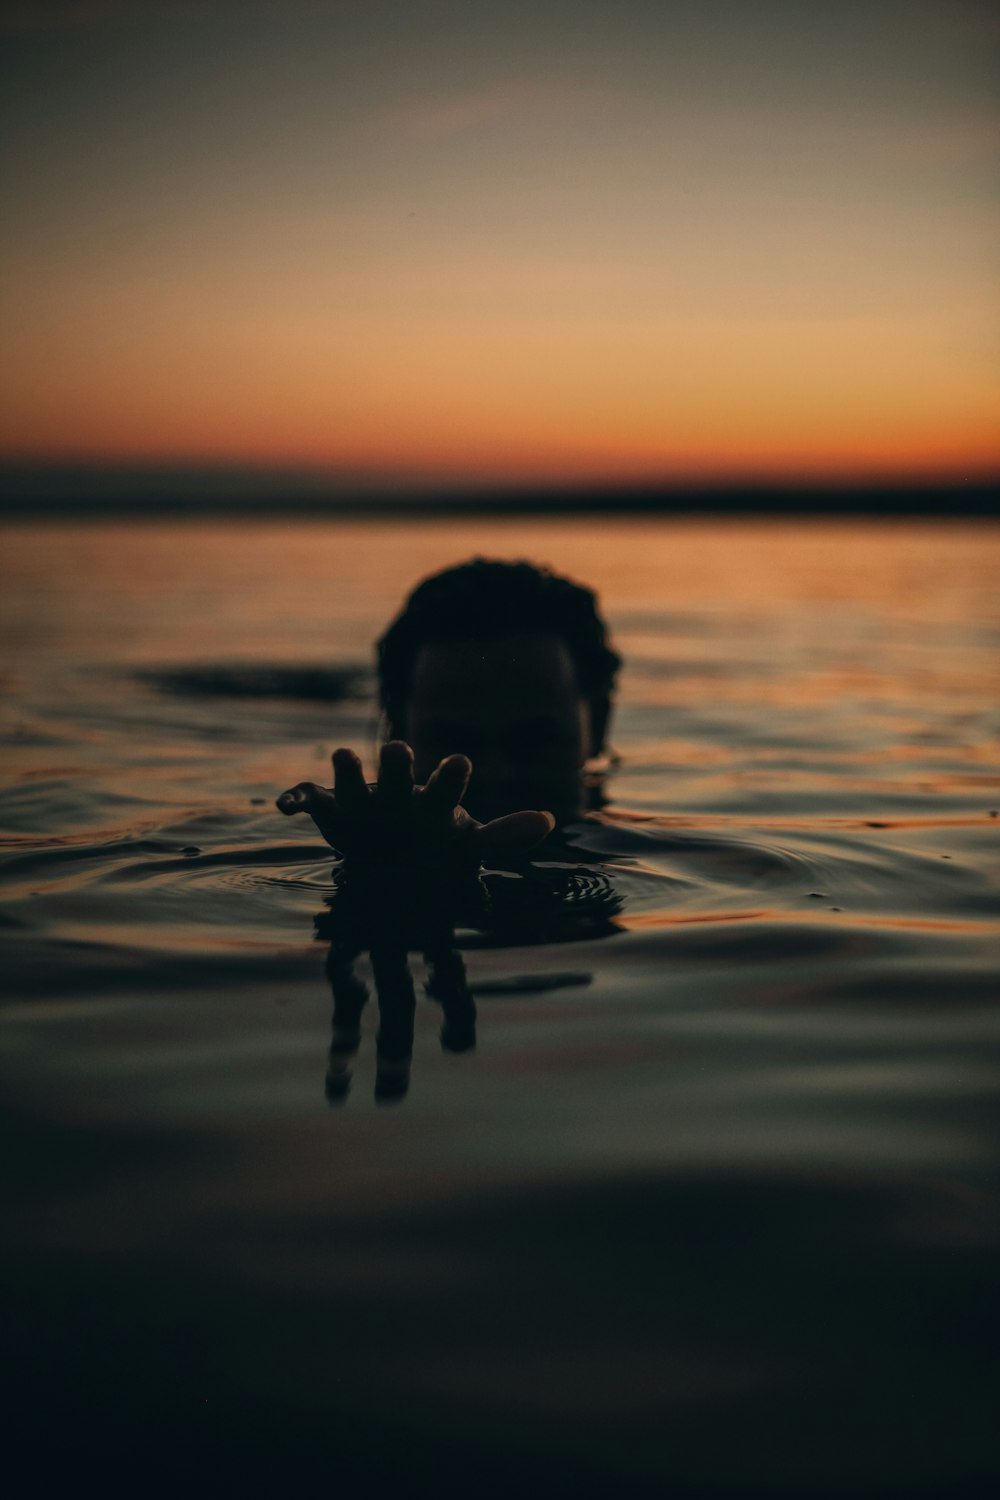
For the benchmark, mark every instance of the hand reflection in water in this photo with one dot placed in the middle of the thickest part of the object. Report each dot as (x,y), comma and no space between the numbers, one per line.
(389,913)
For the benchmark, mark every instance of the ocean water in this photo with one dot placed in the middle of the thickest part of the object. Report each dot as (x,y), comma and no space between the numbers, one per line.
(710,1208)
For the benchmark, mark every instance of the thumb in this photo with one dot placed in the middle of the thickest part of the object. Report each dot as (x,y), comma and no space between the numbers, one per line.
(518,830)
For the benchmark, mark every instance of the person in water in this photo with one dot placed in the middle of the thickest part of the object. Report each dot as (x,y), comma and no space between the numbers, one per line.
(495,682)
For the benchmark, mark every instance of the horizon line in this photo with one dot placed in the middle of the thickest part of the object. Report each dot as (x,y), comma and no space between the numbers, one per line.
(136,487)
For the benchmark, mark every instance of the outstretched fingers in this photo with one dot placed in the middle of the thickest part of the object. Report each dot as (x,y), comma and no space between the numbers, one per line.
(353,821)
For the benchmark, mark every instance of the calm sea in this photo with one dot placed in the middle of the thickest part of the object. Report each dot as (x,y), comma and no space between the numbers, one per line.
(711,1208)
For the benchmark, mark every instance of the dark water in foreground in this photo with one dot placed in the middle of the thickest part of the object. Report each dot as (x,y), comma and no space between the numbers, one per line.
(711,1208)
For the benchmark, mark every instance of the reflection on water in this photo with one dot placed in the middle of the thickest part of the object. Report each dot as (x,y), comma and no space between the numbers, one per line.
(377,911)
(709,1208)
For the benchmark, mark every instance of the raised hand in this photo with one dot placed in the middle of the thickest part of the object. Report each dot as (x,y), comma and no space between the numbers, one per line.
(397,821)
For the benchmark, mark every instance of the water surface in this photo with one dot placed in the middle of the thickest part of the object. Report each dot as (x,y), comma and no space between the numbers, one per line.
(711,1204)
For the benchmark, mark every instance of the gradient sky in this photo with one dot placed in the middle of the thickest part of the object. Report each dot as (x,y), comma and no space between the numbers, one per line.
(570,239)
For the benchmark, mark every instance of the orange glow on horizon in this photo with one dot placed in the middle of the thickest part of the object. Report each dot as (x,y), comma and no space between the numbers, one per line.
(697,402)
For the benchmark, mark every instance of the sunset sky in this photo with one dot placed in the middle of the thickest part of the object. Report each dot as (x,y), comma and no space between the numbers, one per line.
(461,242)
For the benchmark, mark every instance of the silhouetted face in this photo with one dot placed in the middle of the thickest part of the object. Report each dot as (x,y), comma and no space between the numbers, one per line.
(514,708)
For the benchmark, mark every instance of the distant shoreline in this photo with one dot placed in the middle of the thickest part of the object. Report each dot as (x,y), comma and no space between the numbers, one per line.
(69,492)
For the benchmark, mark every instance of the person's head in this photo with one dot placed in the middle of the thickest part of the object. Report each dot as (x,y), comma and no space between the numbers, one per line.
(509,664)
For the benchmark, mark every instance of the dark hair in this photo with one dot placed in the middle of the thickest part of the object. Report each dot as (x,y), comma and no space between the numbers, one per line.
(484,599)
